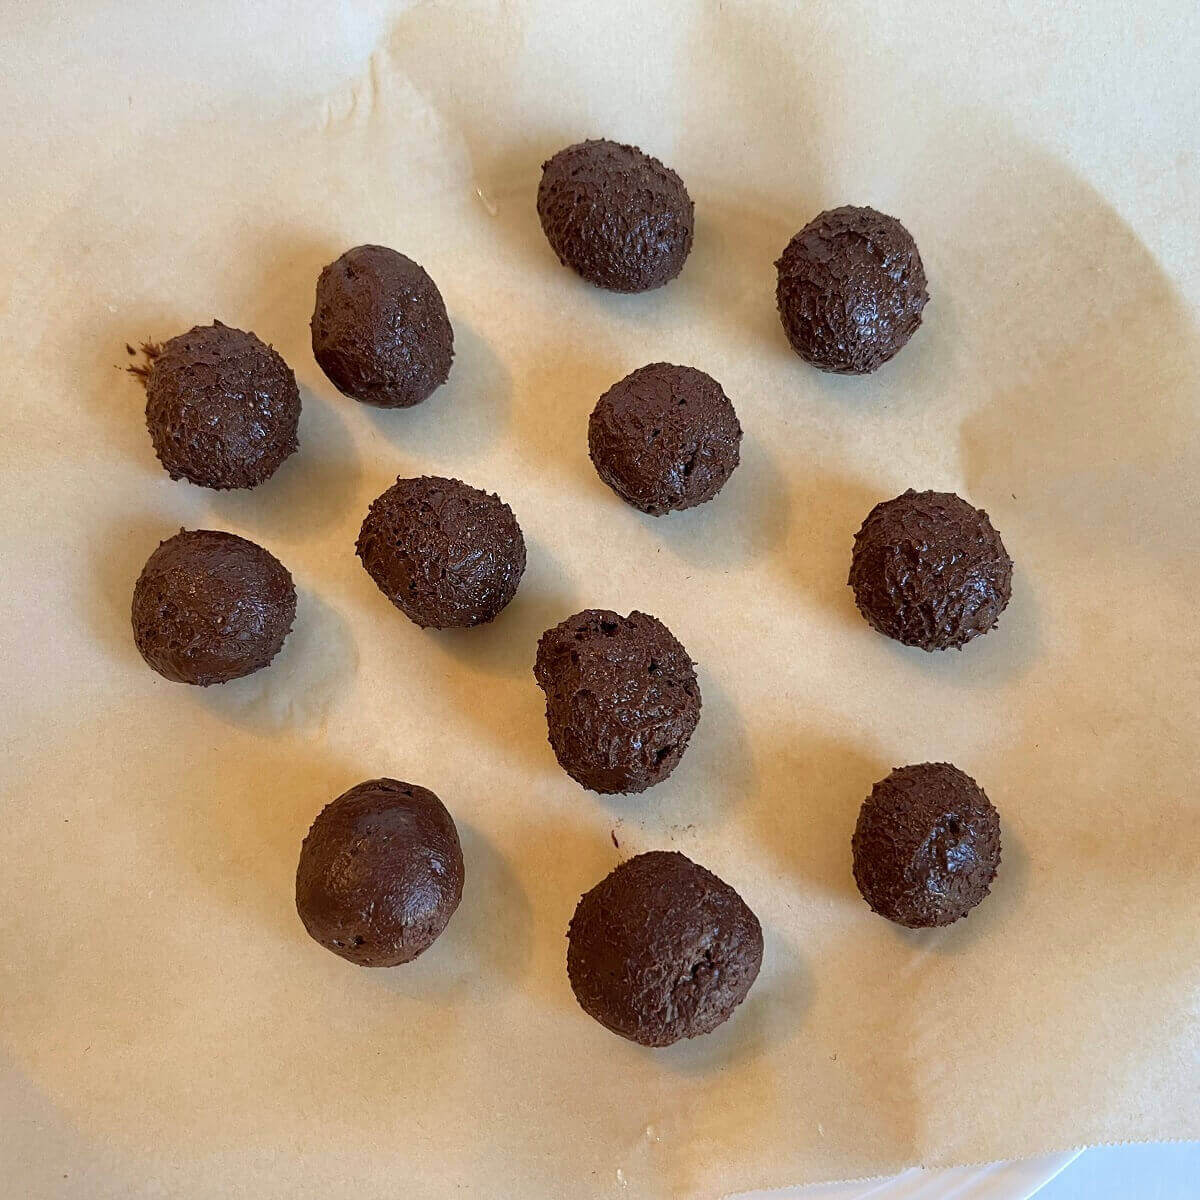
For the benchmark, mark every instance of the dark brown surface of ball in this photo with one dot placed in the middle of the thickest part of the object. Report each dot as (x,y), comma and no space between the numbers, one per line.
(664,438)
(621,699)
(926,846)
(209,607)
(380,873)
(662,949)
(615,215)
(851,290)
(379,328)
(445,554)
(222,408)
(929,570)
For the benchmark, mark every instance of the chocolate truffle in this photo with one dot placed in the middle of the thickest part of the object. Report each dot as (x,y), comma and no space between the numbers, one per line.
(621,699)
(445,554)
(380,874)
(664,438)
(662,949)
(222,407)
(616,216)
(926,846)
(379,328)
(851,290)
(209,607)
(929,570)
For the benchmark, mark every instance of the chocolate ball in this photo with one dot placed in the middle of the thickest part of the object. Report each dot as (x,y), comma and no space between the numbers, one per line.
(929,570)
(379,328)
(222,408)
(662,949)
(926,846)
(664,438)
(851,290)
(209,607)
(621,699)
(616,216)
(380,874)
(445,554)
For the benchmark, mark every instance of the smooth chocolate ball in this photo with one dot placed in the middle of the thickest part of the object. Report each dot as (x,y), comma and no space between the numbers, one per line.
(926,846)
(621,699)
(929,570)
(445,554)
(379,328)
(851,290)
(615,215)
(209,607)
(664,438)
(662,949)
(380,874)
(222,408)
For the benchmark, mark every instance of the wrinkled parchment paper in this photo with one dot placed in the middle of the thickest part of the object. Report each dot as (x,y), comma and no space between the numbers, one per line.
(167,1027)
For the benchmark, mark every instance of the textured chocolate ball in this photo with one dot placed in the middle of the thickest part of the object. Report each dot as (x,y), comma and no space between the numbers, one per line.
(379,328)
(621,699)
(662,949)
(222,408)
(615,215)
(209,607)
(380,874)
(851,290)
(445,554)
(926,846)
(664,438)
(929,570)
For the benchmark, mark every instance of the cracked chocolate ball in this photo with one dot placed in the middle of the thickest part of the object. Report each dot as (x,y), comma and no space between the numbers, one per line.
(662,949)
(615,215)
(851,290)
(621,699)
(929,570)
(380,873)
(209,607)
(926,846)
(445,554)
(379,328)
(222,408)
(664,438)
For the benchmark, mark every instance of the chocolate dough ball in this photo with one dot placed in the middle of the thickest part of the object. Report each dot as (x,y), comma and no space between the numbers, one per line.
(209,607)
(930,571)
(664,438)
(444,553)
(380,330)
(380,874)
(926,846)
(662,949)
(621,699)
(851,290)
(222,408)
(616,216)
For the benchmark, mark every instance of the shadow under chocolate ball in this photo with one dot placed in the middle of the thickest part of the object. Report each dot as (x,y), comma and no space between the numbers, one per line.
(380,873)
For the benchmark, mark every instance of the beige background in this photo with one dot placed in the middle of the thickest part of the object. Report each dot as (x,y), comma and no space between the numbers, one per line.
(166,1028)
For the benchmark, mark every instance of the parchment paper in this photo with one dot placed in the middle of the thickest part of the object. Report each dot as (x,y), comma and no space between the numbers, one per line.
(168,1029)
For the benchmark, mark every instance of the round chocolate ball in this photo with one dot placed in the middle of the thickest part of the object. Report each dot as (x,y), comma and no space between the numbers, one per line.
(926,846)
(209,607)
(664,438)
(615,215)
(662,949)
(445,554)
(379,328)
(380,874)
(929,570)
(222,408)
(851,290)
(621,699)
